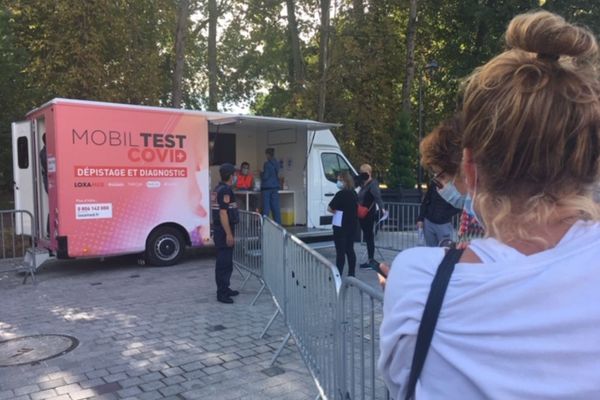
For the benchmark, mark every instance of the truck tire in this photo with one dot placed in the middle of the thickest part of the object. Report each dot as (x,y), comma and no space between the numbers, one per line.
(165,246)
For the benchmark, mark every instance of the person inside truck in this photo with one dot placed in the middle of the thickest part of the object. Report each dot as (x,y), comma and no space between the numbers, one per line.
(270,186)
(44,163)
(245,180)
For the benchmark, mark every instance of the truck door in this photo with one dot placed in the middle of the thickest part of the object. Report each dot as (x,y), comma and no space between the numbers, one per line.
(331,164)
(23,173)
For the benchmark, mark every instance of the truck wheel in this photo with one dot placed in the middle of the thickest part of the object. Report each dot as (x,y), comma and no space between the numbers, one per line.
(165,246)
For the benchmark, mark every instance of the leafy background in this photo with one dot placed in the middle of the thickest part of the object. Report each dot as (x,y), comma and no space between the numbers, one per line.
(266,61)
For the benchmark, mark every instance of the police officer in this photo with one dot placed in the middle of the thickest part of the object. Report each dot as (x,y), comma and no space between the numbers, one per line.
(225,216)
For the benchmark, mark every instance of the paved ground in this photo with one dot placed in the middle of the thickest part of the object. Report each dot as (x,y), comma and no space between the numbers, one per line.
(147,333)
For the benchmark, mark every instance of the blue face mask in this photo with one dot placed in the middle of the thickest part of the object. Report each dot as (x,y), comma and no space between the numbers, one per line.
(470,210)
(340,185)
(452,195)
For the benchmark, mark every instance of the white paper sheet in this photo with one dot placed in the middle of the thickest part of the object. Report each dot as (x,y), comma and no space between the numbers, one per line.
(337,218)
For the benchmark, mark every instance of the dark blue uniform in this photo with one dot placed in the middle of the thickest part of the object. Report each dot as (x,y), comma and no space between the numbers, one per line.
(223,199)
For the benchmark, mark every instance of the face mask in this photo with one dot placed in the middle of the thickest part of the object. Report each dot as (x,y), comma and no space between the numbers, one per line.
(340,185)
(468,207)
(245,171)
(363,176)
(452,195)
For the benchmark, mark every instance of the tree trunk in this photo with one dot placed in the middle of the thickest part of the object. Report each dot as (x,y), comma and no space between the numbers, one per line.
(358,7)
(323,57)
(411,34)
(297,70)
(212,55)
(183,11)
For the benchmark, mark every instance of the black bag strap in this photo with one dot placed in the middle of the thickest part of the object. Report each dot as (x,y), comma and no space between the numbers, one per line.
(430,316)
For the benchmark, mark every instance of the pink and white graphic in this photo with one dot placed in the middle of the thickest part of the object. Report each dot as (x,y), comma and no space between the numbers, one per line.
(122,171)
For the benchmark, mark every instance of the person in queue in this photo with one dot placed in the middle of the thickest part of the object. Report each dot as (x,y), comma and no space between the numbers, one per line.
(441,153)
(369,196)
(436,213)
(345,201)
(519,318)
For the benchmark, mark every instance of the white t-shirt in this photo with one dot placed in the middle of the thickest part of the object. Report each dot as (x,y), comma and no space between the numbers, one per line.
(511,327)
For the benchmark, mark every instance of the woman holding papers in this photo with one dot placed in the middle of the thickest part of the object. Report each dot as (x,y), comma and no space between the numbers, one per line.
(345,220)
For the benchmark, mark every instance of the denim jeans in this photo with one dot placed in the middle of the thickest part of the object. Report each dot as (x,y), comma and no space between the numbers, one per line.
(271,204)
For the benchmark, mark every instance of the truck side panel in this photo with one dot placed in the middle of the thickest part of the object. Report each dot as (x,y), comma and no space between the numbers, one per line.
(123,172)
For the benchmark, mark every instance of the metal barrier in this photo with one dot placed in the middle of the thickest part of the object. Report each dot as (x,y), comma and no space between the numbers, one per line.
(359,317)
(399,231)
(304,286)
(274,239)
(312,284)
(334,324)
(17,233)
(247,252)
(16,238)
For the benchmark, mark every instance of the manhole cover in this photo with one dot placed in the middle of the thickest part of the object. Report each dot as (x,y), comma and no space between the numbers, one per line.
(35,348)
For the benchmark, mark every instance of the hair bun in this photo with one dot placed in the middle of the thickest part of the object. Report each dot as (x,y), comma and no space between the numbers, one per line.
(550,36)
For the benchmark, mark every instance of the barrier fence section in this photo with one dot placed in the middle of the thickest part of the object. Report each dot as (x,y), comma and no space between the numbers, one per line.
(304,286)
(16,233)
(247,252)
(334,323)
(360,310)
(273,240)
(312,284)
(399,231)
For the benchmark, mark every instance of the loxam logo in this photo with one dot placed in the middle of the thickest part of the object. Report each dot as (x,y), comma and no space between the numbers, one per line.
(88,184)
(153,184)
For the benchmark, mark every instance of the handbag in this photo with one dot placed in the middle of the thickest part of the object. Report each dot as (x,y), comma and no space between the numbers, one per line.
(363,211)
(430,316)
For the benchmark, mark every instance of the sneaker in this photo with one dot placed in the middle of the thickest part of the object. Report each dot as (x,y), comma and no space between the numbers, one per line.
(364,266)
(233,293)
(225,299)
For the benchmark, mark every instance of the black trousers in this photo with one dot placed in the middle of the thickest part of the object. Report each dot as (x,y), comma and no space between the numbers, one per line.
(344,247)
(224,264)
(366,225)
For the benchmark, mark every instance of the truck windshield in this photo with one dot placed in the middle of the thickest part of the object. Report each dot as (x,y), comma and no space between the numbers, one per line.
(333,164)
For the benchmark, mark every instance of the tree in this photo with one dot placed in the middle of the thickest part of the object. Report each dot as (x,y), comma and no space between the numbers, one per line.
(409,73)
(212,55)
(402,172)
(323,57)
(297,63)
(180,38)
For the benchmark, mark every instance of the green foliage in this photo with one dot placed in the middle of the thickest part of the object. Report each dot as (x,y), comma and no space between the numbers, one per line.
(403,161)
(16,96)
(105,50)
(122,51)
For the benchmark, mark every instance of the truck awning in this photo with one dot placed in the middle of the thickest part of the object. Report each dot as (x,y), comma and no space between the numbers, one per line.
(214,118)
(271,124)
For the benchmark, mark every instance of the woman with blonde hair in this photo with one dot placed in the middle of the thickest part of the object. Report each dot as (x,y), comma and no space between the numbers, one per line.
(514,316)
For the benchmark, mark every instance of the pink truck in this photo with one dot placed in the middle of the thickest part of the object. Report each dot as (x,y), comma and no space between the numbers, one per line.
(105,179)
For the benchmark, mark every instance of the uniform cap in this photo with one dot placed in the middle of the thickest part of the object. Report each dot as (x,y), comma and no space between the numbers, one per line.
(227,168)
